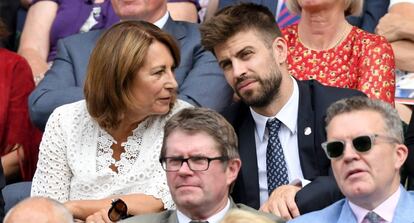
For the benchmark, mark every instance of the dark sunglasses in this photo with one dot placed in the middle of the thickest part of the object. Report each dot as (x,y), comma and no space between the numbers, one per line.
(118,210)
(335,149)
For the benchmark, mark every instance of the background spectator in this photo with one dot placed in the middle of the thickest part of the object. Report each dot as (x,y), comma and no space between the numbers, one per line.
(48,21)
(335,53)
(19,139)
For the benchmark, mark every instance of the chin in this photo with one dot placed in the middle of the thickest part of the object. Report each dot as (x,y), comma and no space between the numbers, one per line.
(358,190)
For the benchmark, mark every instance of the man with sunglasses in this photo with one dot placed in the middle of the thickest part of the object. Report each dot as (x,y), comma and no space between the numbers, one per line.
(279,120)
(200,157)
(365,145)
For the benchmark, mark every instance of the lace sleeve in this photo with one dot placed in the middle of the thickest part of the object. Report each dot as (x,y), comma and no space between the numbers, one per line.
(53,175)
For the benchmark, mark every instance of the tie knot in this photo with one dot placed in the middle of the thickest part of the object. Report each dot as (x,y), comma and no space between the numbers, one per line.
(273,125)
(372,217)
(198,221)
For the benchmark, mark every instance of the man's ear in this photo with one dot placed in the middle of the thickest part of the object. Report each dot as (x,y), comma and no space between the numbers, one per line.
(233,168)
(401,155)
(279,47)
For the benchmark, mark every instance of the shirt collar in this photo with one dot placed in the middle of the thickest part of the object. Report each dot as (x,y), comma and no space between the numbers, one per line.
(284,115)
(216,218)
(161,22)
(385,210)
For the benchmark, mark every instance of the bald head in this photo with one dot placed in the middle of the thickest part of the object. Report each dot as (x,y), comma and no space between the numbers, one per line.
(39,210)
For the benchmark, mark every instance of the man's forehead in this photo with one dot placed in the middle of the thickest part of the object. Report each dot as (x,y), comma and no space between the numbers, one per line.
(238,41)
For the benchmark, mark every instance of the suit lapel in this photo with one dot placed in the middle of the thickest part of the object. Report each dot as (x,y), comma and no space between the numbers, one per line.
(346,215)
(247,150)
(403,212)
(172,218)
(174,29)
(306,132)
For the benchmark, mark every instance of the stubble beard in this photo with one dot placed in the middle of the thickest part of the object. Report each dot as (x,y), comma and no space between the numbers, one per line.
(269,90)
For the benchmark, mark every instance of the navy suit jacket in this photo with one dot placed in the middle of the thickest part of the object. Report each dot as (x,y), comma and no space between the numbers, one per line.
(314,99)
(372,11)
(201,81)
(341,212)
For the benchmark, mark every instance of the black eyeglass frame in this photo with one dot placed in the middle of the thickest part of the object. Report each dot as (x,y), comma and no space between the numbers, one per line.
(121,212)
(163,161)
(372,138)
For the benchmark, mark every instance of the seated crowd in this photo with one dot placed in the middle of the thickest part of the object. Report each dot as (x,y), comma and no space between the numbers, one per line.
(278,111)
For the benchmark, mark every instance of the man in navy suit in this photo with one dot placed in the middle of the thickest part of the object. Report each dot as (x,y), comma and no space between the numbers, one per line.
(366,146)
(200,79)
(249,48)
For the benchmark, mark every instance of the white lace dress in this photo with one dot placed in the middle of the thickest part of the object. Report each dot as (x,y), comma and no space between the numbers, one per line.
(75,158)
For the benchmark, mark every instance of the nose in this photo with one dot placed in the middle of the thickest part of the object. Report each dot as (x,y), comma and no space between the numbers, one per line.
(350,153)
(185,169)
(239,68)
(171,83)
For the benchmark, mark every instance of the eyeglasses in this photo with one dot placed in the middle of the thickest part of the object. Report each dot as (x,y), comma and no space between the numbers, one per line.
(118,210)
(335,149)
(195,163)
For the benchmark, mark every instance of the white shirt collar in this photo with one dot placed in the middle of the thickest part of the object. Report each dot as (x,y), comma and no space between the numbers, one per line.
(161,22)
(385,210)
(284,115)
(216,218)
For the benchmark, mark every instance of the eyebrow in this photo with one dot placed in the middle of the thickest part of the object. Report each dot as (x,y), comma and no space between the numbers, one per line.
(239,53)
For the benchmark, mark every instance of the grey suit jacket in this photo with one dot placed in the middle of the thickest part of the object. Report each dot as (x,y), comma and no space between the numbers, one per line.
(170,216)
(201,81)
(341,212)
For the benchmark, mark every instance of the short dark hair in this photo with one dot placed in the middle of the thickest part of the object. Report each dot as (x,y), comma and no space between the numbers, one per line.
(119,53)
(195,120)
(237,18)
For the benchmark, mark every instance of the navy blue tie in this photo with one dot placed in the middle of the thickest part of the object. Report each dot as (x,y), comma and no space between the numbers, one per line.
(275,159)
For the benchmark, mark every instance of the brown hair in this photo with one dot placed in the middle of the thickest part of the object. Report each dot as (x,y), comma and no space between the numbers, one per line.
(237,18)
(194,120)
(119,54)
(352,7)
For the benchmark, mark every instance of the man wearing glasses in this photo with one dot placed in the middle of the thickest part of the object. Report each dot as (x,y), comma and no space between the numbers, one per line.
(365,145)
(201,161)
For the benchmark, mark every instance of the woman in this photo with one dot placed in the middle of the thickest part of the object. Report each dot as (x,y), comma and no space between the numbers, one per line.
(325,47)
(19,139)
(50,20)
(107,146)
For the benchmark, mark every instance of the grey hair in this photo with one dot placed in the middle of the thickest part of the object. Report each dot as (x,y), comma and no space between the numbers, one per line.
(352,7)
(390,116)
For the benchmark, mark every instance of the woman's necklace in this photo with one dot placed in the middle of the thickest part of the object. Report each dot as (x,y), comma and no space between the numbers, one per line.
(336,41)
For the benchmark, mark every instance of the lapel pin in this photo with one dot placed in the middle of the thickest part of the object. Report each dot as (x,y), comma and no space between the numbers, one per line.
(308,131)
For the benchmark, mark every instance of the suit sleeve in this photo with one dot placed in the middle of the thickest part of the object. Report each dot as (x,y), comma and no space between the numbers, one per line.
(204,84)
(57,88)
(409,141)
(372,11)
(320,193)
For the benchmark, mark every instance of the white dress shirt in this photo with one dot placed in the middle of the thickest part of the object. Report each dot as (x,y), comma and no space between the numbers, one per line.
(288,138)
(161,22)
(216,218)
